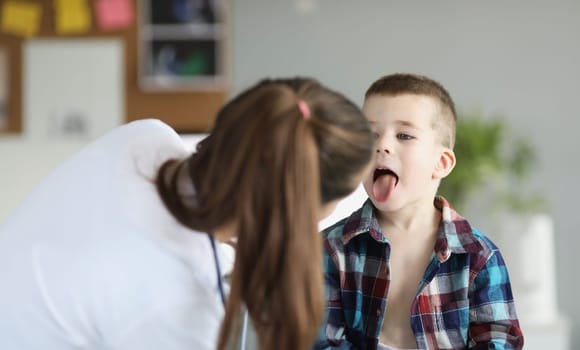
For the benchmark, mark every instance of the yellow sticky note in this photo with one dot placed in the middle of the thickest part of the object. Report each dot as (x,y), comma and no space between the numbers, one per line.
(21,18)
(70,4)
(72,16)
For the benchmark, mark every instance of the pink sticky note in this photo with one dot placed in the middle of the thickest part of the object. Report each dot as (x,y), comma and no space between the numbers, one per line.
(114,14)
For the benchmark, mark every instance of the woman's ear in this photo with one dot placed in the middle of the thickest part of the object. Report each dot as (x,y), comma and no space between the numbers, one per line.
(445,164)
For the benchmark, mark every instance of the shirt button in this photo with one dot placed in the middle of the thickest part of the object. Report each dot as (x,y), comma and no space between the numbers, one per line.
(378,312)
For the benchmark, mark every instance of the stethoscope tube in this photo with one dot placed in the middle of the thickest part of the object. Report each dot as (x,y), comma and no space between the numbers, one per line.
(244,335)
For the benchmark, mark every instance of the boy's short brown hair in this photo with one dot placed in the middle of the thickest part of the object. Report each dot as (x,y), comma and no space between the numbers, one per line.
(405,83)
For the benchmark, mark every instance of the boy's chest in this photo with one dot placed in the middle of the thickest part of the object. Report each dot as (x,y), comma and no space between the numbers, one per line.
(406,270)
(429,296)
(407,261)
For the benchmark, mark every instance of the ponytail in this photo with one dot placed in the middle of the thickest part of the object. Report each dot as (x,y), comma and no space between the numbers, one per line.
(278,273)
(277,152)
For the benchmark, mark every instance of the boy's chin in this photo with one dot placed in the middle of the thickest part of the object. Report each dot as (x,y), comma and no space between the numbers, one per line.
(383,205)
(384,208)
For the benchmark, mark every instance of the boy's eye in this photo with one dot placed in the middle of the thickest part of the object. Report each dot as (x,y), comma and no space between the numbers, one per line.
(403,136)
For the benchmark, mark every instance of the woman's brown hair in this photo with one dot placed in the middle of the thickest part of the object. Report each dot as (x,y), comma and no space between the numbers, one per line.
(267,166)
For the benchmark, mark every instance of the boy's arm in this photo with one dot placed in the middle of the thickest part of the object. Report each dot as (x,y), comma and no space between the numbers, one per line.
(331,335)
(493,319)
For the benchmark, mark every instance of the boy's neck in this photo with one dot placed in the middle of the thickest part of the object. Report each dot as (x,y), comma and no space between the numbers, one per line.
(419,219)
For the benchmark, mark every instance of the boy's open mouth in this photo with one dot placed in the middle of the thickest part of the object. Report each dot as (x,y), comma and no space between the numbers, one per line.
(384,182)
(384,171)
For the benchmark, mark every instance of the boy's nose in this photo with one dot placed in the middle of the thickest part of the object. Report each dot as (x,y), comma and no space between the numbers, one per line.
(383,144)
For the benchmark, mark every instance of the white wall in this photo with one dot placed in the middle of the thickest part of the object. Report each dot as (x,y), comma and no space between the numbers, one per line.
(515,58)
(72,93)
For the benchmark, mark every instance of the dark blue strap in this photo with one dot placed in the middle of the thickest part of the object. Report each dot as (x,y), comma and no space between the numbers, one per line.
(218,270)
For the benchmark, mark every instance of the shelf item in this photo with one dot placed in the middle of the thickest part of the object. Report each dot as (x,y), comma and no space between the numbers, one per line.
(182,45)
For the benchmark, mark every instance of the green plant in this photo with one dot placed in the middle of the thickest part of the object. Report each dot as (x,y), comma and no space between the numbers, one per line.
(488,157)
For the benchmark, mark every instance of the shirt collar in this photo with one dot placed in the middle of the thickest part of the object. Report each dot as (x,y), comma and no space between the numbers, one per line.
(362,221)
(455,234)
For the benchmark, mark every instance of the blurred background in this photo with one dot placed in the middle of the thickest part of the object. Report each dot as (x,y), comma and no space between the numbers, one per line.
(72,69)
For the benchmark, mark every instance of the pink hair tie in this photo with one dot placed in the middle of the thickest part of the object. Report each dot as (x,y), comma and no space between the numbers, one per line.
(304,109)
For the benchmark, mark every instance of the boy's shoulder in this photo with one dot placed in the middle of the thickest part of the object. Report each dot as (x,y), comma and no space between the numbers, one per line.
(481,248)
(459,235)
(484,240)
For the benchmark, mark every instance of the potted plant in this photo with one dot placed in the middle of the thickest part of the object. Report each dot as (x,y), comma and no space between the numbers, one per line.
(488,159)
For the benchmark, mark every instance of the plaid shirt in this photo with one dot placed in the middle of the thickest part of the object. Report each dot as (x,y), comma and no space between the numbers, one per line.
(463,301)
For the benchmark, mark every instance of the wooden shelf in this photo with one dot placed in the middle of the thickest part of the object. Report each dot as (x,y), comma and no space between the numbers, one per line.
(186,108)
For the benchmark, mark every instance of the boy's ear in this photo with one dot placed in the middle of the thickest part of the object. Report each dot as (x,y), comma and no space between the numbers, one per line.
(445,164)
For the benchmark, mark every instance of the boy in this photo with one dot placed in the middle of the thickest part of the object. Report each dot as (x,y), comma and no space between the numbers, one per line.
(405,271)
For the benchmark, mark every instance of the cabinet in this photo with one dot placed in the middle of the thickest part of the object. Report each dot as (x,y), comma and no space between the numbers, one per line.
(182,45)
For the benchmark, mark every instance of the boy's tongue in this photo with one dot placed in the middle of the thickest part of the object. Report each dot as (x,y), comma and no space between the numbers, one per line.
(383,187)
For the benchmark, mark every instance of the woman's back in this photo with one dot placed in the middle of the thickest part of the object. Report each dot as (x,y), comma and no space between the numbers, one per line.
(92,259)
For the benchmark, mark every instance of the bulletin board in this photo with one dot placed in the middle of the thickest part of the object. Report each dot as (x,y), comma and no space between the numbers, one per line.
(185,110)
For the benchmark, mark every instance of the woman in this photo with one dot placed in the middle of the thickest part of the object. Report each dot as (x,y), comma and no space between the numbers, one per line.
(122,253)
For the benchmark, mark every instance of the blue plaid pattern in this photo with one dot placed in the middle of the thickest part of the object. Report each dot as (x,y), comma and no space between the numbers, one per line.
(464,300)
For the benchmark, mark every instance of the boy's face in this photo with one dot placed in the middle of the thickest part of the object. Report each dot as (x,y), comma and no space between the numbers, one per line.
(408,151)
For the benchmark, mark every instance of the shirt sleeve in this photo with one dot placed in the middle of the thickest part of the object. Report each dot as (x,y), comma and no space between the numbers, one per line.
(493,320)
(332,331)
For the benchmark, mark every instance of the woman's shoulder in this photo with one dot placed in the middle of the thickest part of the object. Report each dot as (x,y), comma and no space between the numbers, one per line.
(146,125)
(148,130)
